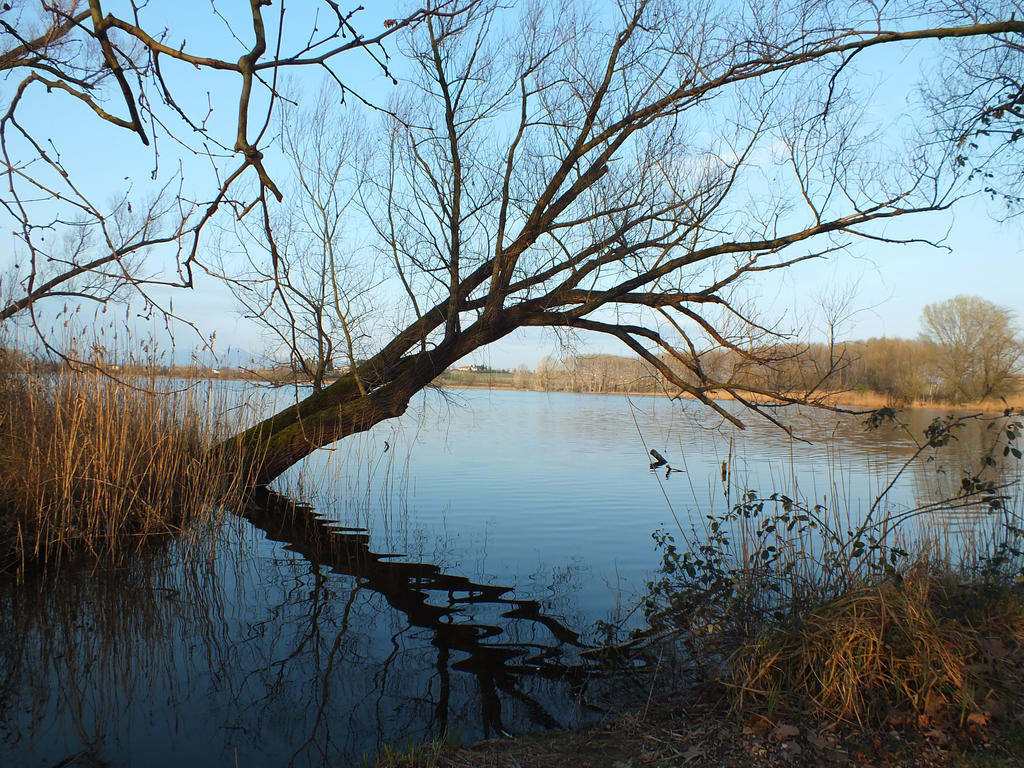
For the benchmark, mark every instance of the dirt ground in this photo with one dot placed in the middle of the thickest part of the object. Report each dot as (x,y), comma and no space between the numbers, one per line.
(692,735)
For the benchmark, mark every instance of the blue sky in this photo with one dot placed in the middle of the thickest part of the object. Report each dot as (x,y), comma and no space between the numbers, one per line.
(892,283)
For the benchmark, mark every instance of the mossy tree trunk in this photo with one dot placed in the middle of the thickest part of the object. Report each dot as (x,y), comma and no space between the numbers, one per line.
(374,391)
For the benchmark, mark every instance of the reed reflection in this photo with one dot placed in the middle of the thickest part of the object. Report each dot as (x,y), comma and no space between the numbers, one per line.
(317,651)
(84,655)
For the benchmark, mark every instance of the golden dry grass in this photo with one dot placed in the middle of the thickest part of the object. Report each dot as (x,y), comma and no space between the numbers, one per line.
(90,465)
(427,755)
(924,647)
(869,400)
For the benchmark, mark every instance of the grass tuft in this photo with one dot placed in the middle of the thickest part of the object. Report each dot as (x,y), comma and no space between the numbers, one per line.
(925,647)
(424,755)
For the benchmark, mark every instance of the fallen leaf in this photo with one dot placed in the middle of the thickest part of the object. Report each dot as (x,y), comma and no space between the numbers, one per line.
(758,724)
(783,732)
(896,719)
(939,737)
(979,719)
(994,706)
(817,741)
(934,702)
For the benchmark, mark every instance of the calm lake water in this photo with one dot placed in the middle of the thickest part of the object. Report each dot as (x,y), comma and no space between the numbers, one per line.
(446,580)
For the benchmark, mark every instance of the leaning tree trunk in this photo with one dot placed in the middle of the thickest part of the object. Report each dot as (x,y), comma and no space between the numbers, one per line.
(377,389)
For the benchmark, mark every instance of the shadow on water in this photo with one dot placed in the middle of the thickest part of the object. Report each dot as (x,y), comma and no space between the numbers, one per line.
(316,652)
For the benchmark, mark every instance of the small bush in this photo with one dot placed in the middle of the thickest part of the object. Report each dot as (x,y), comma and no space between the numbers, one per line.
(794,606)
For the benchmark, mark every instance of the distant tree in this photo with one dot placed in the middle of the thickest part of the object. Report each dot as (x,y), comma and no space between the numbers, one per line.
(978,351)
(307,289)
(895,368)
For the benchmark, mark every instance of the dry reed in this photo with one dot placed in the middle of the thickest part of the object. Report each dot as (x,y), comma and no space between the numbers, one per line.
(90,465)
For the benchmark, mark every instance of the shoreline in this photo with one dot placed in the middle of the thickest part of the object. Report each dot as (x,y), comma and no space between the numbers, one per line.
(857,402)
(700,734)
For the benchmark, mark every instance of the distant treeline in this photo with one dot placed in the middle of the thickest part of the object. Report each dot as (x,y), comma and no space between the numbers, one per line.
(585,373)
(900,371)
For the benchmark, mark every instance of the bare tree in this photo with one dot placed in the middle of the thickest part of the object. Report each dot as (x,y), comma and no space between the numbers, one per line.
(311,300)
(977,347)
(136,75)
(979,102)
(619,173)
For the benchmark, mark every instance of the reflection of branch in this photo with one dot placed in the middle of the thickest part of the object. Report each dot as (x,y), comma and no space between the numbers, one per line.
(973,491)
(408,586)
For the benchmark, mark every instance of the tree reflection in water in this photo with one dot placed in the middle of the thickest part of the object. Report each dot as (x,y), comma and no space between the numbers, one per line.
(501,641)
(80,648)
(233,651)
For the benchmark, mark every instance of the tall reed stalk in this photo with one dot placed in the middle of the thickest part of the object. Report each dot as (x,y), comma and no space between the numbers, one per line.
(92,465)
